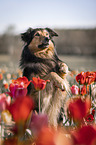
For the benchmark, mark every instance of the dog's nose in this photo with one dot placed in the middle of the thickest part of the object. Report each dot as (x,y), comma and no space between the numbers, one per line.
(46,39)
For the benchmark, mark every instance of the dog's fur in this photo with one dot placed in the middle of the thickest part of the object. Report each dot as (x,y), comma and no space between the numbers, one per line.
(39,59)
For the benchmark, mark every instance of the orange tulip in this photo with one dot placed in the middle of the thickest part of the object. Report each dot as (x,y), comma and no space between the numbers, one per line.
(1,76)
(51,136)
(6,85)
(22,82)
(39,84)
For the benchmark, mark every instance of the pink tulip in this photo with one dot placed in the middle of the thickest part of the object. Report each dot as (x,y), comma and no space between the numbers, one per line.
(38,121)
(75,90)
(4,102)
(18,88)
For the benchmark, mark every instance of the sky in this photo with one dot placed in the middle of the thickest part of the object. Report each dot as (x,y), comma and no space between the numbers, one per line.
(47,13)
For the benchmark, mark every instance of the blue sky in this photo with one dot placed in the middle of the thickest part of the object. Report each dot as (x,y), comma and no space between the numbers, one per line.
(47,13)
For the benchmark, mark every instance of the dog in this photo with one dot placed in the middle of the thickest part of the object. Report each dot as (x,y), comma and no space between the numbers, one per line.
(39,59)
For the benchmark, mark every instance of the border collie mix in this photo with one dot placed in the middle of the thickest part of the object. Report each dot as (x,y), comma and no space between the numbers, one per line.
(39,59)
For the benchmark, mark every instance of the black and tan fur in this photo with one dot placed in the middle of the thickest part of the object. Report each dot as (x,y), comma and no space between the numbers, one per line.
(39,59)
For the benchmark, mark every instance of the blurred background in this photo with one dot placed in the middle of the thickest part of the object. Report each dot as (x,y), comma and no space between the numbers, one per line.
(73,20)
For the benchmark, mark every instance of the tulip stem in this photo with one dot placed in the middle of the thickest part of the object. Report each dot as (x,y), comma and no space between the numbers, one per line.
(39,102)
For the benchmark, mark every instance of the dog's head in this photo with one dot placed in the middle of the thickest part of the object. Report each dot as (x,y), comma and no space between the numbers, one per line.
(38,39)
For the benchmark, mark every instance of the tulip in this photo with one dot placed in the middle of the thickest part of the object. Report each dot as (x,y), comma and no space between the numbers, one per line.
(80,78)
(39,84)
(51,136)
(90,77)
(75,90)
(78,108)
(21,108)
(1,76)
(38,121)
(18,87)
(86,135)
(4,101)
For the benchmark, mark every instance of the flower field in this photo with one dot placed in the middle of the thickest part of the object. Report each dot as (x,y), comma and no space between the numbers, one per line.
(20,124)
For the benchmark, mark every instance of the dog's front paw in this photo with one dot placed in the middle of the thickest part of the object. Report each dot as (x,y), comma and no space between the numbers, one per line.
(63,85)
(59,82)
(63,68)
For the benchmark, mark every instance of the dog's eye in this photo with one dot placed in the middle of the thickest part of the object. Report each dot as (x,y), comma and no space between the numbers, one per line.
(37,34)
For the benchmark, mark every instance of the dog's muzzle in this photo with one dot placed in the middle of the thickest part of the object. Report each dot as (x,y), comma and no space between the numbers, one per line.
(45,42)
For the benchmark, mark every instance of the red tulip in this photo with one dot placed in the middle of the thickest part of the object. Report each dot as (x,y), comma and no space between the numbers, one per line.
(93,112)
(78,108)
(80,78)
(95,76)
(39,84)
(85,136)
(86,77)
(21,108)
(89,118)
(90,77)
(83,90)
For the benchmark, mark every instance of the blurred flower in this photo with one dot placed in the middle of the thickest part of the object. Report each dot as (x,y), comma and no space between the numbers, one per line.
(93,112)
(1,76)
(8,76)
(86,135)
(21,108)
(75,90)
(38,121)
(78,108)
(38,83)
(11,141)
(51,136)
(6,116)
(3,71)
(95,76)
(4,101)
(81,77)
(18,87)
(89,118)
(19,72)
(90,77)
(6,85)
(14,76)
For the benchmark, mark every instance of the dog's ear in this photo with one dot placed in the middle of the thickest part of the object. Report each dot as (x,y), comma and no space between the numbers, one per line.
(27,35)
(52,33)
